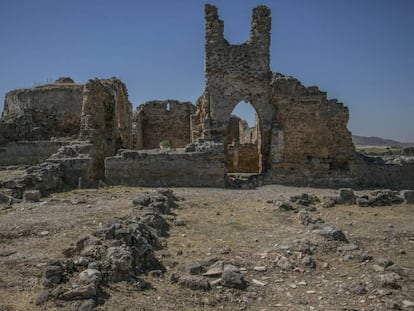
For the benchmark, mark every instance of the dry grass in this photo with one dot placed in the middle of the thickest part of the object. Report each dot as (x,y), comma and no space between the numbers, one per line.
(235,225)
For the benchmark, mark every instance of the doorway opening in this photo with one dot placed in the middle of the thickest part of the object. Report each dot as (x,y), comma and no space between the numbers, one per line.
(243,141)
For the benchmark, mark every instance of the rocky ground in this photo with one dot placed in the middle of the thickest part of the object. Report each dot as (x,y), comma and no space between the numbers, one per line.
(273,248)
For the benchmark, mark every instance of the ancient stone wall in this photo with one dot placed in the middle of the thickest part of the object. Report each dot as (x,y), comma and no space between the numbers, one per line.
(105,120)
(243,158)
(28,152)
(39,113)
(157,168)
(236,73)
(310,137)
(156,121)
(233,130)
(372,172)
(248,135)
(201,120)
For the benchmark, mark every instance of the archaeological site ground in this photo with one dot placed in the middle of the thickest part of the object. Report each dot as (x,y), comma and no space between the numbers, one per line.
(182,206)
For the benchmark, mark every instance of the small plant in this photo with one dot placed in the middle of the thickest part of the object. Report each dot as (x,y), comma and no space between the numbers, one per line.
(166,144)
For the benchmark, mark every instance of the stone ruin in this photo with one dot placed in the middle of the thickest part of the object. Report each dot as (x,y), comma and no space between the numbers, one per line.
(79,135)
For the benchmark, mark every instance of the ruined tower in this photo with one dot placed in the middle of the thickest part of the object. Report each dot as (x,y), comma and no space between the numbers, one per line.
(235,73)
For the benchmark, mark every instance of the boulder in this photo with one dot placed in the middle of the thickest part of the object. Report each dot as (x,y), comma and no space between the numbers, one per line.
(142,200)
(191,268)
(332,233)
(233,279)
(89,276)
(121,261)
(79,293)
(31,195)
(194,282)
(408,196)
(362,201)
(328,203)
(53,274)
(347,194)
(283,206)
(5,199)
(384,197)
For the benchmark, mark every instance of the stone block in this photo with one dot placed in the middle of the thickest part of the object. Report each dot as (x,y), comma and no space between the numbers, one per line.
(31,195)
(408,196)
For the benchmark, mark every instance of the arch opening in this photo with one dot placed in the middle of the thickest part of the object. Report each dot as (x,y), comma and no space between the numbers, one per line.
(243,141)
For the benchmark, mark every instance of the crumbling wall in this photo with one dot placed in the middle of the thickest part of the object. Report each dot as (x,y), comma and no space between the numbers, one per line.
(156,121)
(201,120)
(374,172)
(28,152)
(248,135)
(235,73)
(243,158)
(233,130)
(157,168)
(310,138)
(105,121)
(42,112)
(242,149)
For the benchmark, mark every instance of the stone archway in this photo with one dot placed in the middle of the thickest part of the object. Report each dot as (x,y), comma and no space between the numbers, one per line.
(242,142)
(236,73)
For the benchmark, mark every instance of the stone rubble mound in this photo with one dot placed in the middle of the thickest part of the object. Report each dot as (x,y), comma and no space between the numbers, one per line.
(381,197)
(120,250)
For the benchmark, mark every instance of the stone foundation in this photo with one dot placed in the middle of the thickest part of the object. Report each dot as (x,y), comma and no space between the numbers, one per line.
(374,173)
(151,168)
(28,152)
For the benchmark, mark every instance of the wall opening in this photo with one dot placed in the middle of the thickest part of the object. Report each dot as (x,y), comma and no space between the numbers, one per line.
(243,143)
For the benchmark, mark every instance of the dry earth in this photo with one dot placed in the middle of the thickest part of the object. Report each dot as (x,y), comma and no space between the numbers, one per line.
(241,227)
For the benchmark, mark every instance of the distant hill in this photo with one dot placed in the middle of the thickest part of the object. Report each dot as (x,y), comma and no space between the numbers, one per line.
(378,141)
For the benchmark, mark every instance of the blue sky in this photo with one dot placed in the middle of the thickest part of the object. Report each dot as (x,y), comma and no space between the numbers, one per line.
(358,51)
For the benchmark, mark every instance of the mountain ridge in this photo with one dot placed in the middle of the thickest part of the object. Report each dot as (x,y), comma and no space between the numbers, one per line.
(378,141)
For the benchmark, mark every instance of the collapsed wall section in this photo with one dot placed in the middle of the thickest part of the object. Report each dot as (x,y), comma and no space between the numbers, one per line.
(374,172)
(27,152)
(162,120)
(310,140)
(105,121)
(42,112)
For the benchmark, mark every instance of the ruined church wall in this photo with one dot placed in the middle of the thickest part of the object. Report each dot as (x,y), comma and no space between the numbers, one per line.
(156,121)
(237,72)
(243,158)
(164,169)
(310,140)
(105,121)
(42,112)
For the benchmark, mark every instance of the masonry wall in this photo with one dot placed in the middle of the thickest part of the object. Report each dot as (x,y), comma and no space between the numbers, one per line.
(237,72)
(233,130)
(374,173)
(29,152)
(42,112)
(156,121)
(249,134)
(105,121)
(151,168)
(243,158)
(310,140)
